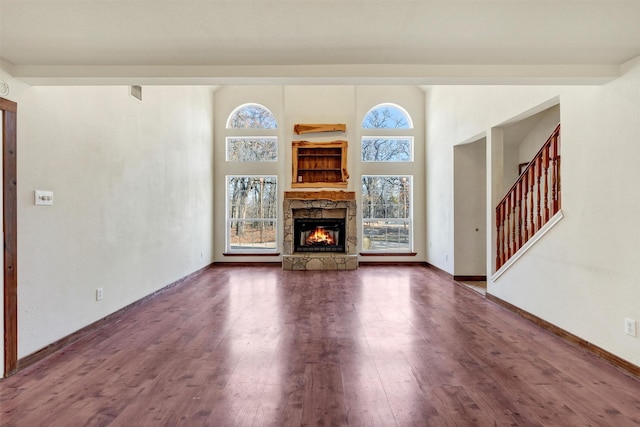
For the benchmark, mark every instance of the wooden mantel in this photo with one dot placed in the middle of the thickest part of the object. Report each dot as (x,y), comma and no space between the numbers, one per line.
(300,129)
(320,195)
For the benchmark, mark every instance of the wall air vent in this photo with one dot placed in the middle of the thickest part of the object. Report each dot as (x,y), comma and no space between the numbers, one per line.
(136,92)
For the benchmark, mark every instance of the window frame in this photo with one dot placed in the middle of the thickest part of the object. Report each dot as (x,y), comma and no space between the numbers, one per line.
(246,137)
(252,133)
(229,220)
(408,220)
(403,110)
(411,139)
(246,104)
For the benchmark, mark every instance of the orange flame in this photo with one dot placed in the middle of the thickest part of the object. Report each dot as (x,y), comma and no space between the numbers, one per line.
(319,236)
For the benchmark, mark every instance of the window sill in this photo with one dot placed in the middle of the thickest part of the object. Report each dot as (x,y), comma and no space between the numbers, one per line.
(251,254)
(388,253)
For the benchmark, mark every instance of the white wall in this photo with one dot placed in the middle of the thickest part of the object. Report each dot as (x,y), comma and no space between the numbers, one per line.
(133,200)
(538,135)
(582,276)
(319,104)
(523,140)
(455,115)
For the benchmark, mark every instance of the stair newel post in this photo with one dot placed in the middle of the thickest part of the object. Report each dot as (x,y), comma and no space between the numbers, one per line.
(545,167)
(558,198)
(556,172)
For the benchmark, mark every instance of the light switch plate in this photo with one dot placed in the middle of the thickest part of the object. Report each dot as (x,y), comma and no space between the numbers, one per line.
(630,327)
(44,197)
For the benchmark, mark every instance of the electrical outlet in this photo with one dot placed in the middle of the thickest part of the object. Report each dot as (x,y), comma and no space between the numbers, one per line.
(630,327)
(99,294)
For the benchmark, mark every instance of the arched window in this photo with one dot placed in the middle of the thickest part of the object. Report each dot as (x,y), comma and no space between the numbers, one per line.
(251,116)
(387,200)
(252,200)
(383,145)
(387,116)
(256,147)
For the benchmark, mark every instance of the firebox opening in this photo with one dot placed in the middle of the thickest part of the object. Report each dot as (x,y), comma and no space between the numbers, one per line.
(319,234)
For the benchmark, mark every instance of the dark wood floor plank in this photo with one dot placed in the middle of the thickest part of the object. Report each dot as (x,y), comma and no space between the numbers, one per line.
(324,403)
(379,346)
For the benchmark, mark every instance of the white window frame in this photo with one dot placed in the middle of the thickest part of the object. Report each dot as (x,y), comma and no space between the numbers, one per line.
(408,221)
(274,138)
(409,138)
(241,106)
(229,221)
(389,104)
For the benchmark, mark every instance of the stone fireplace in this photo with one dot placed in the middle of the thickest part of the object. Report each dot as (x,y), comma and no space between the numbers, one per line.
(320,231)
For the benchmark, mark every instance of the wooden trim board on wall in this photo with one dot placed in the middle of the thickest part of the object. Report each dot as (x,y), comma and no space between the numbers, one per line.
(470,278)
(9,112)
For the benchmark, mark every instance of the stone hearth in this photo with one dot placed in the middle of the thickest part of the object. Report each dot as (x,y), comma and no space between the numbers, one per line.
(320,204)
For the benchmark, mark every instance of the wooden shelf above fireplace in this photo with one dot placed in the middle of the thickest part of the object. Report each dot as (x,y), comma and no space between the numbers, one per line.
(319,164)
(300,129)
(320,195)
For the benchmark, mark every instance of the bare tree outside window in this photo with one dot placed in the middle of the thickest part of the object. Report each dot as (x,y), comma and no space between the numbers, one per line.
(380,149)
(252,149)
(384,148)
(251,116)
(387,116)
(386,213)
(386,200)
(252,212)
(252,201)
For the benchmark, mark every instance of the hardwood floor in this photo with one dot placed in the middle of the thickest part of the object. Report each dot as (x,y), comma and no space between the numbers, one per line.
(379,346)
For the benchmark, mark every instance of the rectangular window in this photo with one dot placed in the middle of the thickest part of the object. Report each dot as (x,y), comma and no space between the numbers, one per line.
(387,213)
(385,149)
(252,213)
(252,149)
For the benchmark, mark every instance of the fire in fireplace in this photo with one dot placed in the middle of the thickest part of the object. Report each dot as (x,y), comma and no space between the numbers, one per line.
(319,234)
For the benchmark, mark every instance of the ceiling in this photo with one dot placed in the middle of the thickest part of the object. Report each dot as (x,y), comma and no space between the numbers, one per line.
(319,41)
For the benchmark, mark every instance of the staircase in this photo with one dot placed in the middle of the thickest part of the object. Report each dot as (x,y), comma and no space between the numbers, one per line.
(532,200)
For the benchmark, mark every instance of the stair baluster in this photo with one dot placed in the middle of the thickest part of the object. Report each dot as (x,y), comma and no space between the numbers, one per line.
(531,202)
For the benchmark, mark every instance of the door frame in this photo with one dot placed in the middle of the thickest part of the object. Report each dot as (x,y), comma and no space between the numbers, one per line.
(9,111)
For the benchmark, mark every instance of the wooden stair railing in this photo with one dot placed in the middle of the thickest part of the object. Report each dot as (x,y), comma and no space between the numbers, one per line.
(532,200)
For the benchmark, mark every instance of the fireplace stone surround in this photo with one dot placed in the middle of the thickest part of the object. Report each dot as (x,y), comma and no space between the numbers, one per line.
(320,204)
